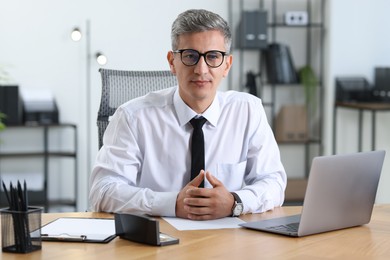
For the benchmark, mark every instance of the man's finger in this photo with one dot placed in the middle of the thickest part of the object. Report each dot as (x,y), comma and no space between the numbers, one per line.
(212,180)
(198,179)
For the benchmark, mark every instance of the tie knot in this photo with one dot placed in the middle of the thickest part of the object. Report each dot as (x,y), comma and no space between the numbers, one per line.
(198,123)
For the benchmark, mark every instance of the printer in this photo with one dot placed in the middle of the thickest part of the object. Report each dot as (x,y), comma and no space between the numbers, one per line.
(39,107)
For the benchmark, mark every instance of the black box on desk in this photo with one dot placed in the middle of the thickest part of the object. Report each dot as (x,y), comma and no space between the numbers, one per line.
(11,105)
(142,229)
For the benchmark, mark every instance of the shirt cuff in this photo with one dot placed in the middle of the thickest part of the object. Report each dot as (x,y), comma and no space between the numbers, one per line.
(253,204)
(164,204)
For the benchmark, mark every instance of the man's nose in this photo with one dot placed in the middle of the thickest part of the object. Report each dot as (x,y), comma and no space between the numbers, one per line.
(201,67)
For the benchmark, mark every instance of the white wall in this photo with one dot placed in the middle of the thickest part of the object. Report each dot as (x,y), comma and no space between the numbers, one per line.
(36,48)
(358,41)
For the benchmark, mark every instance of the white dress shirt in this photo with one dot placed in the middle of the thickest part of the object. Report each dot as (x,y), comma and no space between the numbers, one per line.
(145,159)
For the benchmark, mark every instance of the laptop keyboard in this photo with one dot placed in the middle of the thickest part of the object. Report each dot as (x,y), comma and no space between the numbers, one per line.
(292,227)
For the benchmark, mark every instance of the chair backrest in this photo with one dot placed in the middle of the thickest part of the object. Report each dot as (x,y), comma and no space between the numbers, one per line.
(119,86)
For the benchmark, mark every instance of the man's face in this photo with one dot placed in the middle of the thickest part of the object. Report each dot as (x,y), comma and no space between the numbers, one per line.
(199,83)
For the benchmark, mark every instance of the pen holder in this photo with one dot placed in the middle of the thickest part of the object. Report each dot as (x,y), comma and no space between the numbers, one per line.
(21,230)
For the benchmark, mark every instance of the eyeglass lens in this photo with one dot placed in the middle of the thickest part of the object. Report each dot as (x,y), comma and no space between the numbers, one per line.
(212,58)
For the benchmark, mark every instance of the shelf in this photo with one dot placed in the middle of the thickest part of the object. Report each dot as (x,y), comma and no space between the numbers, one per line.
(40,197)
(312,141)
(282,25)
(63,202)
(36,154)
(366,106)
(288,85)
(42,126)
(307,41)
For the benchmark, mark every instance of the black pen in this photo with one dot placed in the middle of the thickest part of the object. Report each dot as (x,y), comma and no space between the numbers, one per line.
(6,193)
(25,194)
(21,202)
(64,237)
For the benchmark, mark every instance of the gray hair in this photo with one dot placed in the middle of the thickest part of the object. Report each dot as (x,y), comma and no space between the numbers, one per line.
(199,20)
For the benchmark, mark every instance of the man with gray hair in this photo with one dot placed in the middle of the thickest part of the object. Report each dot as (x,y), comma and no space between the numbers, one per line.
(191,151)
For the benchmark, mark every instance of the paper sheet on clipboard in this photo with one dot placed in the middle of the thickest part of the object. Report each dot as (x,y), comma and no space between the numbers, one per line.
(94,230)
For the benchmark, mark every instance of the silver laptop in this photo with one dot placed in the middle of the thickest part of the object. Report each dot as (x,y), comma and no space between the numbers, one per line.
(340,193)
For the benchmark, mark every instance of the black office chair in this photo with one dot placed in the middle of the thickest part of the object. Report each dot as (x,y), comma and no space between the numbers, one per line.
(119,86)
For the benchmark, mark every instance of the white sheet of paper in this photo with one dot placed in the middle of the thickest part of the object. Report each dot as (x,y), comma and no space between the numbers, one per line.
(186,224)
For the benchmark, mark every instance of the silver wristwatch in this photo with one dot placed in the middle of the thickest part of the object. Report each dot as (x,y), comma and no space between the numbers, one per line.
(237,206)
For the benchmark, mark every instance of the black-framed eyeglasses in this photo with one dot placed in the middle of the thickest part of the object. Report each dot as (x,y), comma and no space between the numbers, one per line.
(191,57)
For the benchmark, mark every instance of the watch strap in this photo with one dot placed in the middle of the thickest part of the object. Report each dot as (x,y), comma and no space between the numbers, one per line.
(236,197)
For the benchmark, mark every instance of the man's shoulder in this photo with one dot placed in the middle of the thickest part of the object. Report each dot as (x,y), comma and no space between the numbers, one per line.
(233,96)
(154,99)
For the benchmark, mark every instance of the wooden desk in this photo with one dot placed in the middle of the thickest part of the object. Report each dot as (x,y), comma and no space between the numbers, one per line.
(364,242)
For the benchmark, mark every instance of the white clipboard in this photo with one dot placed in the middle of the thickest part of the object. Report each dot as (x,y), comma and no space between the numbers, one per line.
(92,230)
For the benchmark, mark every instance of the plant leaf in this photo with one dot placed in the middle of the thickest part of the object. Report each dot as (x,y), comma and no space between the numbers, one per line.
(310,83)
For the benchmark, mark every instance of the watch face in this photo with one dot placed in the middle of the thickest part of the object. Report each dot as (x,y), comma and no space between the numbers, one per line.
(238,209)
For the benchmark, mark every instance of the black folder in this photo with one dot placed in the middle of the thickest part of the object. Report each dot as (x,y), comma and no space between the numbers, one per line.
(92,230)
(280,65)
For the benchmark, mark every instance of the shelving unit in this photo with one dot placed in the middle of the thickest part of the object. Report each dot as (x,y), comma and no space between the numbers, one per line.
(40,197)
(306,43)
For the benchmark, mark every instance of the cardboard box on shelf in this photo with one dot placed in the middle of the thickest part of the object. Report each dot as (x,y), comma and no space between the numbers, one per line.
(291,124)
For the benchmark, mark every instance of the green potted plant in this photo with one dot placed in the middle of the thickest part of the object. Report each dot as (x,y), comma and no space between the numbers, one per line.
(310,82)
(2,125)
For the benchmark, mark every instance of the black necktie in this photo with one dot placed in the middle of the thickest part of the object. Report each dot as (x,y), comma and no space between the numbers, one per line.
(197,151)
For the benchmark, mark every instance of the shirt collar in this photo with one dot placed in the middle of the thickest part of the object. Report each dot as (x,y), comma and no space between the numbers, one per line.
(185,113)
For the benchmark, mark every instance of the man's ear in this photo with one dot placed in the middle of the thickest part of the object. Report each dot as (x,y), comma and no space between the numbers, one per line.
(228,65)
(170,58)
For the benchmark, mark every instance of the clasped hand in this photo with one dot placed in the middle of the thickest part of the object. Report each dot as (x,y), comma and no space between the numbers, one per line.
(204,203)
